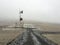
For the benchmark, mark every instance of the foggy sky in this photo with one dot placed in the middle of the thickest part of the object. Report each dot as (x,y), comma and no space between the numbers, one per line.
(37,10)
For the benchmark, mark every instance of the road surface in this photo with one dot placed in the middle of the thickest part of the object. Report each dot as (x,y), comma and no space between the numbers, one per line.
(30,37)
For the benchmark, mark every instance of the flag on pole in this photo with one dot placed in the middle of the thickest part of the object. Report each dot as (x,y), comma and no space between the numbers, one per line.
(21,12)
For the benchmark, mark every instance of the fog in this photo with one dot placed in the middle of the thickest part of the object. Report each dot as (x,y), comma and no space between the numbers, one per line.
(36,10)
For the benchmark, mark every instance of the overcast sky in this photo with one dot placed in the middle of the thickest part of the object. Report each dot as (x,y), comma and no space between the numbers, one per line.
(37,10)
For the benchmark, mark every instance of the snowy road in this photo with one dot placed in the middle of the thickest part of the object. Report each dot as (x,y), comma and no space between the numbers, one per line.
(29,37)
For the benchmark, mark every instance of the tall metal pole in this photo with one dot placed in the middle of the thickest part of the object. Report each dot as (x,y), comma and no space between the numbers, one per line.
(19,16)
(21,19)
